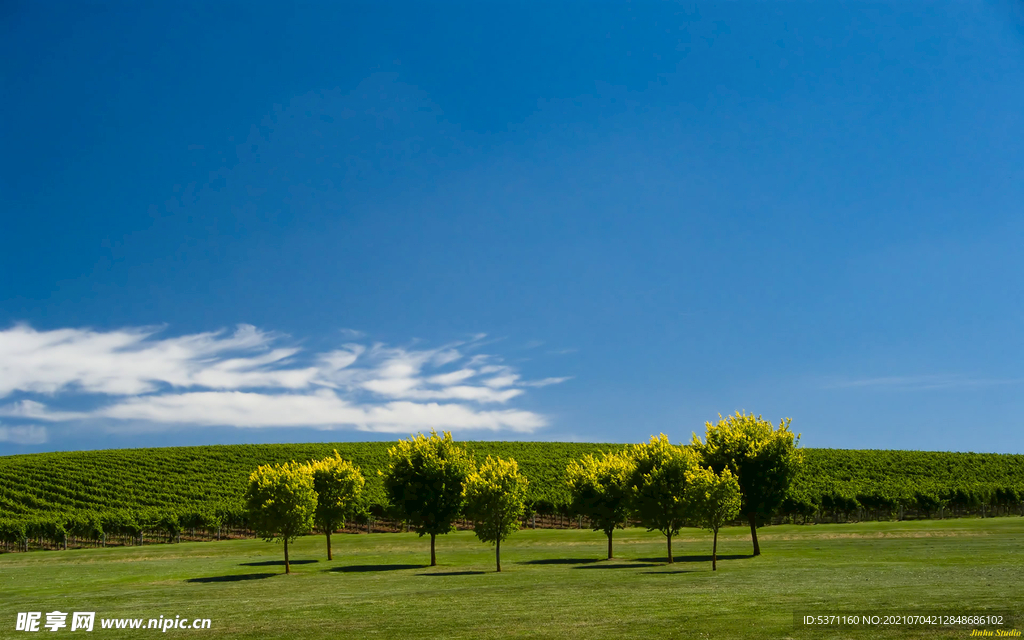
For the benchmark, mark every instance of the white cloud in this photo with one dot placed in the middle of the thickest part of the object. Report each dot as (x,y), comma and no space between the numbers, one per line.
(24,434)
(247,378)
(546,381)
(321,408)
(451,378)
(127,362)
(498,382)
(39,411)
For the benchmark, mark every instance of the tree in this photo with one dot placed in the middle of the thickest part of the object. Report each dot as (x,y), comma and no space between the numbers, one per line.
(281,502)
(496,501)
(764,460)
(424,480)
(339,485)
(714,500)
(658,485)
(600,491)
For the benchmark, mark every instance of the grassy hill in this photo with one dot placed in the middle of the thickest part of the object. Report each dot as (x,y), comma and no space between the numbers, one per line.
(177,477)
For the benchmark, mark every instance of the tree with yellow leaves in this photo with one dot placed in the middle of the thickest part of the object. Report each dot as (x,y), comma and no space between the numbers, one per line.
(764,460)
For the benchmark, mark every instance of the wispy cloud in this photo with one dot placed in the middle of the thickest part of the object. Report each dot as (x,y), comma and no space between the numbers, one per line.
(24,434)
(920,382)
(250,378)
(546,381)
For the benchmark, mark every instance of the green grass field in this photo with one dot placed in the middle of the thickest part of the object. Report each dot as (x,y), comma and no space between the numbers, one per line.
(554,583)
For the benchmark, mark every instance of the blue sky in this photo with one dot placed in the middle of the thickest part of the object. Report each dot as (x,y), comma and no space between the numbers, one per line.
(564,221)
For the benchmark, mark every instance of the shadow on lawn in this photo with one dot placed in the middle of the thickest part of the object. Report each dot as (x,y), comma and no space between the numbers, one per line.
(275,563)
(618,565)
(706,558)
(562,561)
(453,573)
(358,568)
(234,578)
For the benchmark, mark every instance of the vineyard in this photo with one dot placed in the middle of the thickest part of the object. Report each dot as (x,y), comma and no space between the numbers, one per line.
(118,495)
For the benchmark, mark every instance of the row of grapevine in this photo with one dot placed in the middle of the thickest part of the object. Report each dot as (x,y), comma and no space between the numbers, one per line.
(141,478)
(61,529)
(840,484)
(45,494)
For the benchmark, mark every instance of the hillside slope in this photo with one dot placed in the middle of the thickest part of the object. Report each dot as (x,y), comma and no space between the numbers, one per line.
(179,477)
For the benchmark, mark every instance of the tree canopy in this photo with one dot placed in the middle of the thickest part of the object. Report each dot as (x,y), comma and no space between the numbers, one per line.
(281,501)
(496,501)
(713,500)
(424,481)
(339,485)
(599,488)
(764,460)
(658,485)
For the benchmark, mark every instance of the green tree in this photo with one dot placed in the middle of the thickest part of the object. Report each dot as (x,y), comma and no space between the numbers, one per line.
(600,490)
(658,485)
(339,485)
(424,480)
(764,460)
(496,501)
(281,502)
(713,500)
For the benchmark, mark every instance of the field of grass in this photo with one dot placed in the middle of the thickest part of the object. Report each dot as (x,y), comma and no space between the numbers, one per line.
(553,585)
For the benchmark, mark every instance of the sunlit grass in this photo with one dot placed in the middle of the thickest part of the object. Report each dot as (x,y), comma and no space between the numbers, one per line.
(554,583)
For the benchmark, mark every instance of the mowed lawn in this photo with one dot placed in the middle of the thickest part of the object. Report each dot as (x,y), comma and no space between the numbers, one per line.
(555,583)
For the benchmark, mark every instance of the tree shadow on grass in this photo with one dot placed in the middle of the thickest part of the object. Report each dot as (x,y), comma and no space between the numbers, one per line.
(360,568)
(618,565)
(275,563)
(234,578)
(453,573)
(562,561)
(658,573)
(706,558)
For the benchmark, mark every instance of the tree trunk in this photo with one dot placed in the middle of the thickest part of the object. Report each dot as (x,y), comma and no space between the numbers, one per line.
(497,554)
(752,517)
(714,553)
(609,545)
(669,537)
(329,555)
(433,558)
(287,568)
